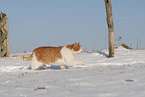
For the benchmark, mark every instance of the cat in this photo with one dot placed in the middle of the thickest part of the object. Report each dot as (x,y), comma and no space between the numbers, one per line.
(62,55)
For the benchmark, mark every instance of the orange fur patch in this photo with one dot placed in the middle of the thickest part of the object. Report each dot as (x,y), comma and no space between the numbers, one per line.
(75,46)
(70,46)
(48,55)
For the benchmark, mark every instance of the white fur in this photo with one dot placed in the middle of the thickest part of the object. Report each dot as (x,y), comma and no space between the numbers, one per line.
(34,62)
(67,56)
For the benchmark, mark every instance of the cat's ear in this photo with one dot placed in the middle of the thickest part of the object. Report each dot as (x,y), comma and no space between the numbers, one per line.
(79,43)
(75,44)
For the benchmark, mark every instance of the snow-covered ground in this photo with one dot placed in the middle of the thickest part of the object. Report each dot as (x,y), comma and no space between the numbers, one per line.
(121,76)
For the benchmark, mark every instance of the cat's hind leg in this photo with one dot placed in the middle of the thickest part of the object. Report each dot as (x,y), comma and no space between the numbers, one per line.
(44,66)
(35,64)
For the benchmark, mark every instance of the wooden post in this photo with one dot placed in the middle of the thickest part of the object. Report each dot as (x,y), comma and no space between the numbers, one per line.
(110,27)
(4,40)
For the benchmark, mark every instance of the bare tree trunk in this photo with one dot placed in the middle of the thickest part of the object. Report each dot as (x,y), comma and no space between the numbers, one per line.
(4,39)
(110,27)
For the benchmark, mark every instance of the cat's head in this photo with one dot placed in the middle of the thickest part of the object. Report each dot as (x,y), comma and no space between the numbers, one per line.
(76,48)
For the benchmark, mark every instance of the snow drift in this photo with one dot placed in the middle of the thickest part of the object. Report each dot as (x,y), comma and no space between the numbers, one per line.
(121,76)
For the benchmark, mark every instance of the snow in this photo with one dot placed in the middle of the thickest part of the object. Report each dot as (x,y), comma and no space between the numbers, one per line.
(121,76)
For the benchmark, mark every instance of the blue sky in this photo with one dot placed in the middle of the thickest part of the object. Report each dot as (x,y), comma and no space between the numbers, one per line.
(34,23)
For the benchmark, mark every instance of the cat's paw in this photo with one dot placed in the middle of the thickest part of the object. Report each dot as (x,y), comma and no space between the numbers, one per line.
(76,62)
(81,63)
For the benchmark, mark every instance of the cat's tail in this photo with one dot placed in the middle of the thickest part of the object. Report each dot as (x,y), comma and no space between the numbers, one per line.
(26,58)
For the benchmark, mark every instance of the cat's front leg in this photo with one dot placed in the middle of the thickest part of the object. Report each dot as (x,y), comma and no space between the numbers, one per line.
(75,62)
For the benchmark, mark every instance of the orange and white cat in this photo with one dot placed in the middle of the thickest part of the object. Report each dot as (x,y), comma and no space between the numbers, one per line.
(62,55)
